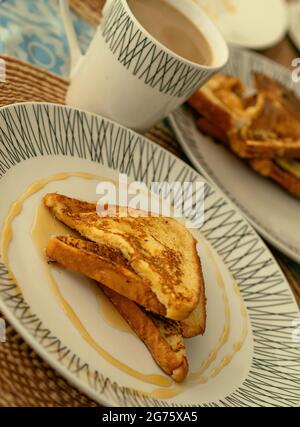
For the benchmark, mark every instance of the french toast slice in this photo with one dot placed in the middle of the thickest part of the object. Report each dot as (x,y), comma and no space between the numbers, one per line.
(274,132)
(263,129)
(107,265)
(159,250)
(275,90)
(265,125)
(278,169)
(211,129)
(161,336)
(278,122)
(221,101)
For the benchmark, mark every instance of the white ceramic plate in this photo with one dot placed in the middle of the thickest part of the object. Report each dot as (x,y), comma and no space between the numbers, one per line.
(254,24)
(294,22)
(250,325)
(273,212)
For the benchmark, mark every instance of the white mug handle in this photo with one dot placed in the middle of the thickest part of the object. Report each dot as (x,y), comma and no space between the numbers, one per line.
(75,52)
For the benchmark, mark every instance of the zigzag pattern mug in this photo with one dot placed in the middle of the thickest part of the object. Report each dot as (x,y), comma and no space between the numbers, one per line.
(131,77)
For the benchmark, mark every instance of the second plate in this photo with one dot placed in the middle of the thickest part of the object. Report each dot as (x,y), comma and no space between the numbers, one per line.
(272,211)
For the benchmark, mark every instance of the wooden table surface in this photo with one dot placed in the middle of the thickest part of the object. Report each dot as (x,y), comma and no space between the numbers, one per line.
(284,52)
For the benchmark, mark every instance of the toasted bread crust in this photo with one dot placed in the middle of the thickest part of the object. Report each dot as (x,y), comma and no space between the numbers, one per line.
(204,106)
(256,149)
(265,167)
(268,168)
(220,101)
(70,254)
(209,128)
(170,358)
(247,148)
(159,250)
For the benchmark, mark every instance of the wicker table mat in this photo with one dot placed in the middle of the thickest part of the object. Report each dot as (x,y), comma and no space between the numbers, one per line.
(90,10)
(25,379)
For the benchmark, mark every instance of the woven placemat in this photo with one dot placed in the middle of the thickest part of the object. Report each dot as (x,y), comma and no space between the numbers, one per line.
(25,379)
(90,10)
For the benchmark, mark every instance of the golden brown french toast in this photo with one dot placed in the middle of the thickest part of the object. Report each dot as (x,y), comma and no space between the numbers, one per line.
(278,123)
(263,129)
(280,170)
(161,336)
(279,93)
(274,132)
(221,101)
(211,129)
(159,250)
(265,125)
(105,265)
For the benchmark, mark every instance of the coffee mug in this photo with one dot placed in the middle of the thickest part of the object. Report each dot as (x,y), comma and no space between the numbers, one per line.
(131,78)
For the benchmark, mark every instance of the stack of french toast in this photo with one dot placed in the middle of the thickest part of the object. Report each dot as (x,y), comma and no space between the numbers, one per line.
(262,127)
(147,266)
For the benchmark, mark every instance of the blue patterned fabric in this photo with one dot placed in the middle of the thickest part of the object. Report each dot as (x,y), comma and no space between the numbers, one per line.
(32,30)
